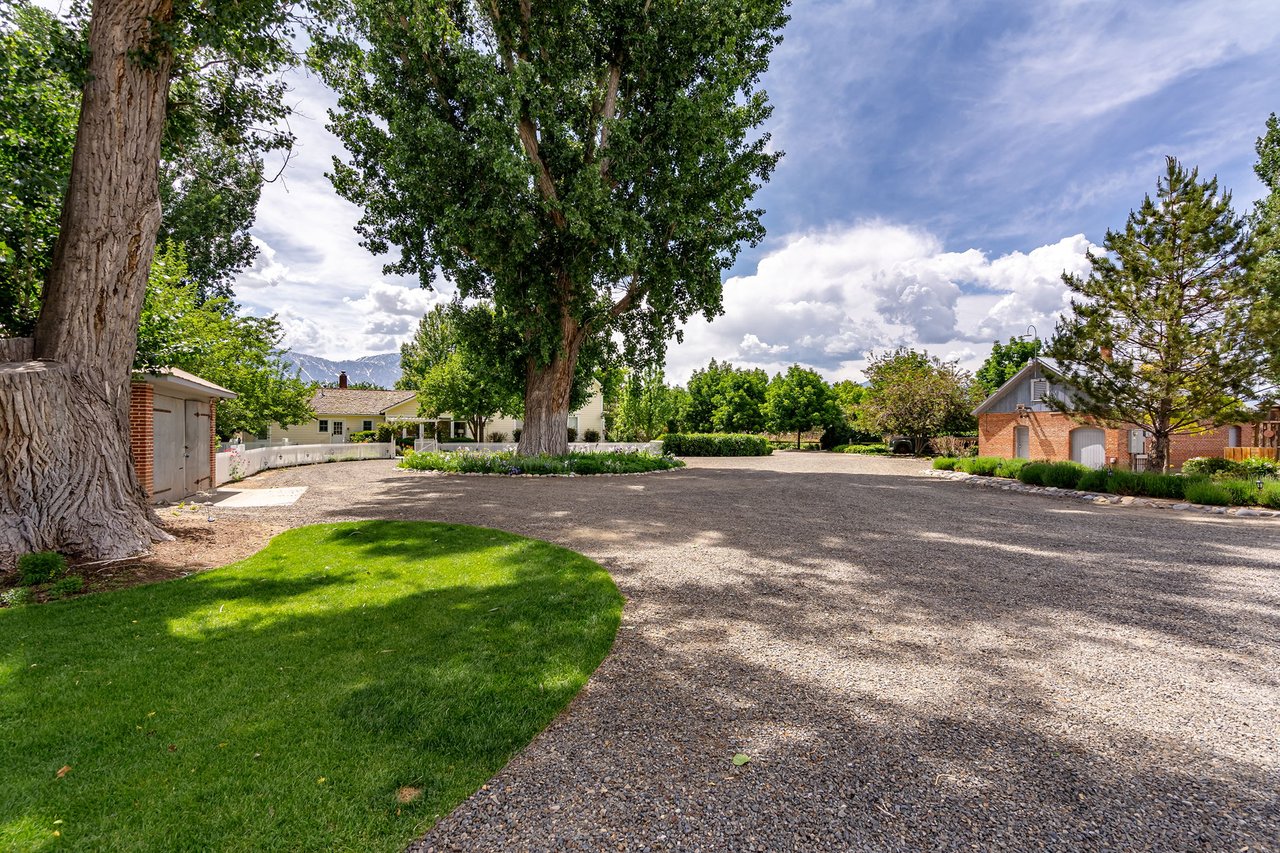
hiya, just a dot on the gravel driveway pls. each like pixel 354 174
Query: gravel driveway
pixel 911 664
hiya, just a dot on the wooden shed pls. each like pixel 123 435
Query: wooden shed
pixel 172 431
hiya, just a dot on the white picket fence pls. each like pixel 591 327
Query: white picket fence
pixel 236 464
pixel 653 447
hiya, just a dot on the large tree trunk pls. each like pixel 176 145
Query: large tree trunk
pixel 67 481
pixel 546 405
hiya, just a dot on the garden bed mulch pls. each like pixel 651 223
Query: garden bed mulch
pixel 1101 498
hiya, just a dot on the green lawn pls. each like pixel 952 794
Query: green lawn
pixel 291 701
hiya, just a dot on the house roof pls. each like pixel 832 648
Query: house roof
pixel 1027 369
pixel 180 380
pixel 354 401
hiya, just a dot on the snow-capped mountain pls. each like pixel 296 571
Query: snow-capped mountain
pixel 383 369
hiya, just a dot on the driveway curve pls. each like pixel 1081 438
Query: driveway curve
pixel 911 664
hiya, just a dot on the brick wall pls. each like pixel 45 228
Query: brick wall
pixel 213 442
pixel 1211 443
pixel 1049 434
pixel 142 433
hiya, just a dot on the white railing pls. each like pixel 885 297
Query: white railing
pixel 237 463
pixel 653 447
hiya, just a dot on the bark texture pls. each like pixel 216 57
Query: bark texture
pixel 67 482
pixel 546 406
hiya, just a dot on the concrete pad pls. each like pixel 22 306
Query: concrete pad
pixel 263 497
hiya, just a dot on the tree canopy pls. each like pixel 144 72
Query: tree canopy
pixel 1004 362
pixel 209 339
pixel 647 407
pixel 917 395
pixel 724 398
pixel 1165 332
pixel 800 400
pixel 586 165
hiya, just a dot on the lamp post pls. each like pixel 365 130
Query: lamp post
pixel 1033 336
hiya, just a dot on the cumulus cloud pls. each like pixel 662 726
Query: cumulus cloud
pixel 827 299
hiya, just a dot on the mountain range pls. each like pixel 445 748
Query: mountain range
pixel 382 369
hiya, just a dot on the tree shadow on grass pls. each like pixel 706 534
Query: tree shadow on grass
pixel 299 725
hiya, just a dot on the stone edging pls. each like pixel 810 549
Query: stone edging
pixel 1007 485
pixel 538 476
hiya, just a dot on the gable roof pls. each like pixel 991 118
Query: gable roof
pixel 180 380
pixel 1027 370
pixel 354 401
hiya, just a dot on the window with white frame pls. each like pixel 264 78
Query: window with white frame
pixel 324 426
pixel 368 425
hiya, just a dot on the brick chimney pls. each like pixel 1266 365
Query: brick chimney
pixel 342 379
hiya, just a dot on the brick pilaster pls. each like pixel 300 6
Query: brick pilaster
pixel 213 443
pixel 142 434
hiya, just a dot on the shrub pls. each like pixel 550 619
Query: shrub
pixel 954 445
pixel 983 466
pixel 1064 475
pixel 69 585
pixel 591 436
pixel 1210 465
pixel 865 449
pixel 41 567
pixel 363 436
pixel 1256 467
pixel 385 432
pixel 1033 473
pixel 1010 468
pixel 1207 492
pixel 573 433
pixel 497 436
pixel 1242 492
pixel 509 462
pixel 715 444
pixel 515 434
pixel 1096 480
pixel 15 597
pixel 460 439
pixel 944 463
pixel 1270 494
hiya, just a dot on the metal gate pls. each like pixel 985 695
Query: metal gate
pixel 1088 446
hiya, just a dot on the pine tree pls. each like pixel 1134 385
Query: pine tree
pixel 1164 331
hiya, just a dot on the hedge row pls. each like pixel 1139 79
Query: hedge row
pixel 715 444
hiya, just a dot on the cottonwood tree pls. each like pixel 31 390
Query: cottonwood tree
pixel 586 165
pixel 1165 332
pixel 66 479
pixel 724 398
pixel 918 395
pixel 1004 362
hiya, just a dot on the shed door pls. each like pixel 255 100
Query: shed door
pixel 196 449
pixel 1088 447
pixel 1022 442
pixel 169 460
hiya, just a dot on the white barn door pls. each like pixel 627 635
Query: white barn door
pixel 1022 442
pixel 1088 447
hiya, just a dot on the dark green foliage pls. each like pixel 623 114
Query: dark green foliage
pixel 41 567
pixel 511 463
pixel 1033 473
pixel 1148 484
pixel 715 444
pixel 515 434
pixel 1095 480
pixel 1211 465
pixel 1064 475
pixel 914 394
pixel 573 434
pixel 1256 467
pixel 591 436
pixel 1010 468
pixel 1003 363
pixel 800 400
pixel 726 399
pixel 1270 494
pixel 876 449
pixel 1242 492
pixel 61 588
pixel 362 436
pixel 983 466
pixel 945 463
pixel 496 436
pixel 1207 492
pixel 1171 329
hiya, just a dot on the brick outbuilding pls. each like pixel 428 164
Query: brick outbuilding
pixel 173 432
pixel 1016 422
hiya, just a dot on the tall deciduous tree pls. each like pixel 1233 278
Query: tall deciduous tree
pixel 587 165
pixel 724 398
pixel 57 489
pixel 646 407
pixel 799 400
pixel 914 394
pixel 1004 362
pixel 1164 331
pixel 469 382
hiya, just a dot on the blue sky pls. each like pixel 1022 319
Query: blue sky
pixel 945 162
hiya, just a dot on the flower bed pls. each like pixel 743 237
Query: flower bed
pixel 510 463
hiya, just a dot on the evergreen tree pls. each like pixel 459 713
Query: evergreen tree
pixel 1165 331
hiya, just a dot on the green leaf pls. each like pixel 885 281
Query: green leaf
pixel 740 759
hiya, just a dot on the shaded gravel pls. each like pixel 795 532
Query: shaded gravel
pixel 910 665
